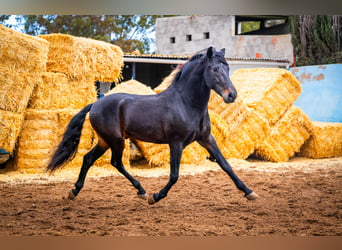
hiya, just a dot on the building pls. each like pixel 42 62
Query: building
pixel 266 44
pixel 187 35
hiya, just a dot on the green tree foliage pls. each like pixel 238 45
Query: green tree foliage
pixel 249 26
pixel 316 39
pixel 4 18
pixel 130 32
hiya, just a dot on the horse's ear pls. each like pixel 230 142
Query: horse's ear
pixel 223 51
pixel 210 52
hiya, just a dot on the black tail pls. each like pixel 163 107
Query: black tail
pixel 67 148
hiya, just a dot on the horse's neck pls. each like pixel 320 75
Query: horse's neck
pixel 194 92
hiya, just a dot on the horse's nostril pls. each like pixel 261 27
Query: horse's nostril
pixel 231 96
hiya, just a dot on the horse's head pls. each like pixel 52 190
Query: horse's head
pixel 216 75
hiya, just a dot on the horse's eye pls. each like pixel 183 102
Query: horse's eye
pixel 215 69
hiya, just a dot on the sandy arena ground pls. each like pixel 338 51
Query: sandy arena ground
pixel 299 197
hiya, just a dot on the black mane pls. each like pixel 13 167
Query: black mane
pixel 183 69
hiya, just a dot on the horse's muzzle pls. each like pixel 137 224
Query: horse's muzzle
pixel 229 96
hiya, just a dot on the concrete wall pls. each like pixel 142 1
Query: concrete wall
pixel 221 35
pixel 321 97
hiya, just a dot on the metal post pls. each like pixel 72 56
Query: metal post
pixel 133 70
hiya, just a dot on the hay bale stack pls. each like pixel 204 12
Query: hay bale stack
pixel 325 141
pixel 10 126
pixel 132 87
pixel 20 52
pixel 58 92
pixel 37 140
pixel 245 128
pixel 16 88
pixel 64 117
pixel 268 91
pixel 83 58
pixel 41 133
pixel 159 154
pixel 286 136
pixel 22 61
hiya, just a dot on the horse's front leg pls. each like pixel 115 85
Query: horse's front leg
pixel 175 156
pixel 211 146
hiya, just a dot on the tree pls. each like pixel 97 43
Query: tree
pixel 316 39
pixel 130 32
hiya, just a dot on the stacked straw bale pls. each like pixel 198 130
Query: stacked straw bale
pixel 286 136
pixel 22 52
pixel 58 92
pixel 22 61
pixel 325 141
pixel 10 126
pixel 37 140
pixel 245 128
pixel 42 131
pixel 72 64
pixel 83 58
pixel 87 136
pixel 270 92
pixel 132 87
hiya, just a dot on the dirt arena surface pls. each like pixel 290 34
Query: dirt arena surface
pixel 297 198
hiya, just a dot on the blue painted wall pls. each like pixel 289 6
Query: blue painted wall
pixel 321 97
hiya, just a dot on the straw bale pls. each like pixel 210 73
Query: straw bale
pixel 22 60
pixel 167 81
pixel 325 141
pixel 83 58
pixel 42 131
pixel 159 154
pixel 132 87
pixel 37 140
pixel 16 88
pixel 244 127
pixel 286 136
pixel 87 136
pixel 268 91
pixel 22 52
pixel 10 126
pixel 58 92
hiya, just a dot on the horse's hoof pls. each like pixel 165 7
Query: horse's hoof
pixel 71 195
pixel 252 196
pixel 143 196
pixel 150 199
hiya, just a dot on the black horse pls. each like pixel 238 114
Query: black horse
pixel 177 116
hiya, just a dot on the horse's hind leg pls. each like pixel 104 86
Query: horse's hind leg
pixel 88 161
pixel 116 161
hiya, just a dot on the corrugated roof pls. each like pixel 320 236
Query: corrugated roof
pixel 184 58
